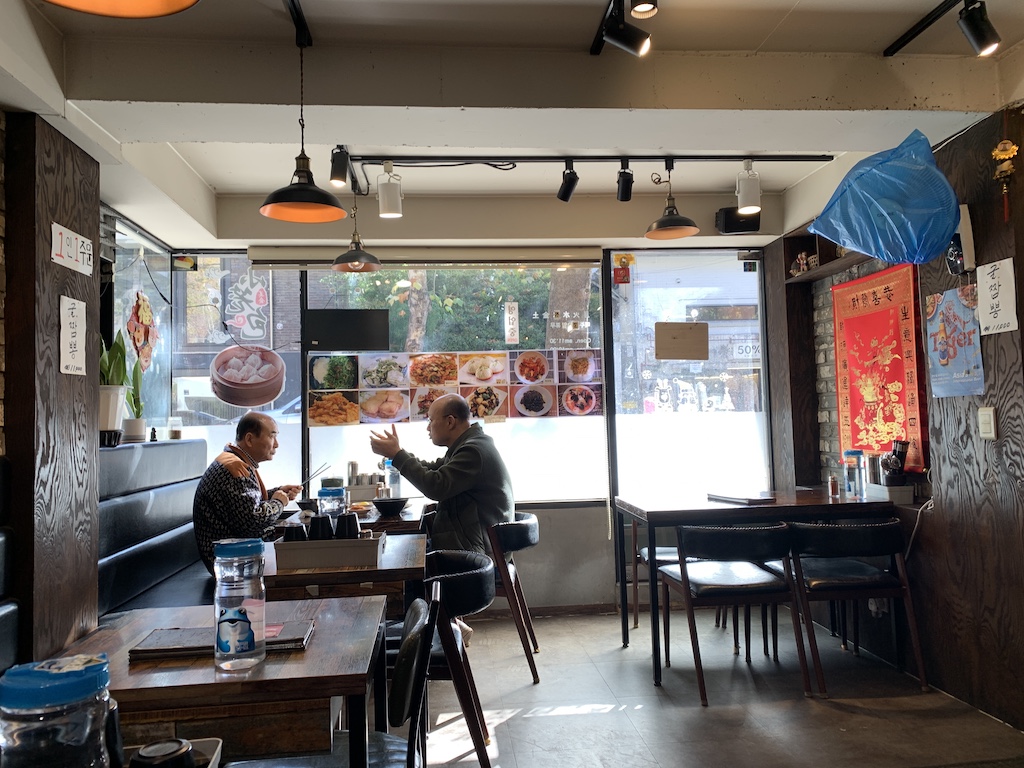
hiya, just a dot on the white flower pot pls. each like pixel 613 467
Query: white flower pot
pixel 134 430
pixel 111 407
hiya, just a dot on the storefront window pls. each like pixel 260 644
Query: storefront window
pixel 696 425
pixel 521 343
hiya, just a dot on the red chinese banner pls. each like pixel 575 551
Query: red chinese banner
pixel 877 379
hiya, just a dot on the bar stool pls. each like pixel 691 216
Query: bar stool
pixel 506 539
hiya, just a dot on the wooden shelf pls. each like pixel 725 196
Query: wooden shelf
pixel 840 264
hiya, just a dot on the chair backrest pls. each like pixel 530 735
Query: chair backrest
pixel 517 534
pixel 855 540
pixel 468 579
pixel 409 679
pixel 756 543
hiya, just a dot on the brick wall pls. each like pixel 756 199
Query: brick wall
pixel 825 361
pixel 3 273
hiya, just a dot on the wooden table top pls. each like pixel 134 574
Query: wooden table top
pixel 403 559
pixel 659 509
pixel 336 662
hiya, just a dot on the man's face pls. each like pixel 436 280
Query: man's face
pixel 439 427
pixel 262 447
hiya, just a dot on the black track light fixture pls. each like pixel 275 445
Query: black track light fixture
pixel 625 183
pixel 569 182
pixel 973 22
pixel 616 30
pixel 643 9
pixel 978 30
pixel 339 166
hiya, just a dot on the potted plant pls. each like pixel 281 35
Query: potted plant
pixel 113 389
pixel 135 427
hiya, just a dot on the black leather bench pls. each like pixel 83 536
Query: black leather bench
pixel 8 607
pixel 147 551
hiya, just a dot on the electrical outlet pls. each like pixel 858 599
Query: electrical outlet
pixel 987 423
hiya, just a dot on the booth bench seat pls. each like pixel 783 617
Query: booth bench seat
pixel 147 550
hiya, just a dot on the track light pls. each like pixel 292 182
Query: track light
pixel 339 167
pixel 643 9
pixel 302 201
pixel 748 190
pixel 671 224
pixel 616 30
pixel 127 9
pixel 389 192
pixel 977 28
pixel 625 184
pixel 355 259
pixel 569 182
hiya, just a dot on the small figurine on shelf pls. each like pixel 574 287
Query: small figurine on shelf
pixel 799 265
pixel 152 434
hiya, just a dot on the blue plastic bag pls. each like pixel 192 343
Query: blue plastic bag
pixel 896 206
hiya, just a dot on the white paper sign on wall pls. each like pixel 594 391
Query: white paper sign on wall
pixel 997 297
pixel 72 336
pixel 70 249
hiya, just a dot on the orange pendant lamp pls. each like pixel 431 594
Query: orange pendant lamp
pixel 302 201
pixel 127 9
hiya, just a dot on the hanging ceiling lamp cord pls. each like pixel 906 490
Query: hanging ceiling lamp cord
pixel 302 101
pixel 656 177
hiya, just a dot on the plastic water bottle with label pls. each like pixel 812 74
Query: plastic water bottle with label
pixel 239 603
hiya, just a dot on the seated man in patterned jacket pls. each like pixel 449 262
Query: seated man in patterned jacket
pixel 231 501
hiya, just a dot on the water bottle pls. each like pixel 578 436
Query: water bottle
pixel 238 602
pixel 331 501
pixel 393 478
pixel 856 474
pixel 54 713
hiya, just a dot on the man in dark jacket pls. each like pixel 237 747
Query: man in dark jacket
pixel 470 482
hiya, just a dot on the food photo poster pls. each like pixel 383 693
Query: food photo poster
pixel 392 387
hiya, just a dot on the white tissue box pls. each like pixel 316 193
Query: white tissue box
pixel 897 494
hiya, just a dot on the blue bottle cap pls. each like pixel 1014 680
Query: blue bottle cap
pixel 327 493
pixel 237 547
pixel 53 683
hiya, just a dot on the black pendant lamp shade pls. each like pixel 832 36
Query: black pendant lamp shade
pixel 355 259
pixel 127 9
pixel 302 201
pixel 672 224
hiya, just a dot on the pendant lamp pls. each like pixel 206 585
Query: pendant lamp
pixel 127 9
pixel 355 259
pixel 302 201
pixel 671 224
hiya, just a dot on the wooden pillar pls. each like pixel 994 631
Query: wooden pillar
pixel 51 417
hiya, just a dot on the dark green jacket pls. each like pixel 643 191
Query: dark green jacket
pixel 471 486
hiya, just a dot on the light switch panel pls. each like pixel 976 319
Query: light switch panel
pixel 987 423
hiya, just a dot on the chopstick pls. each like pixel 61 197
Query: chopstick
pixel 316 472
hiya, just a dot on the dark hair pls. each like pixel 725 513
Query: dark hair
pixel 456 406
pixel 250 424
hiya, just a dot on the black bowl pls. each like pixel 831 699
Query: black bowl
pixel 308 505
pixel 388 507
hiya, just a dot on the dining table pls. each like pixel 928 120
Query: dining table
pixel 656 509
pixel 402 560
pixel 287 704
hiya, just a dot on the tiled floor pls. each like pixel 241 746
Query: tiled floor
pixel 596 706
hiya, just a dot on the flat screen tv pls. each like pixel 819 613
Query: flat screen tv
pixel 345 330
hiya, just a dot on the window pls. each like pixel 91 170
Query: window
pixel 463 311
pixel 693 425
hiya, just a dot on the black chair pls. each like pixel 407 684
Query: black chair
pixel 406 704
pixel 826 567
pixel 468 588
pixel 506 539
pixel 642 556
pixel 720 569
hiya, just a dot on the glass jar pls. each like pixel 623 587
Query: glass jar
pixel 856 473
pixel 54 713
pixel 239 602
pixel 331 501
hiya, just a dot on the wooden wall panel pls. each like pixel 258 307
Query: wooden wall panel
pixel 968 563
pixel 52 436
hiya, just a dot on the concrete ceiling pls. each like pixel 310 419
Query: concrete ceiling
pixel 194 117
